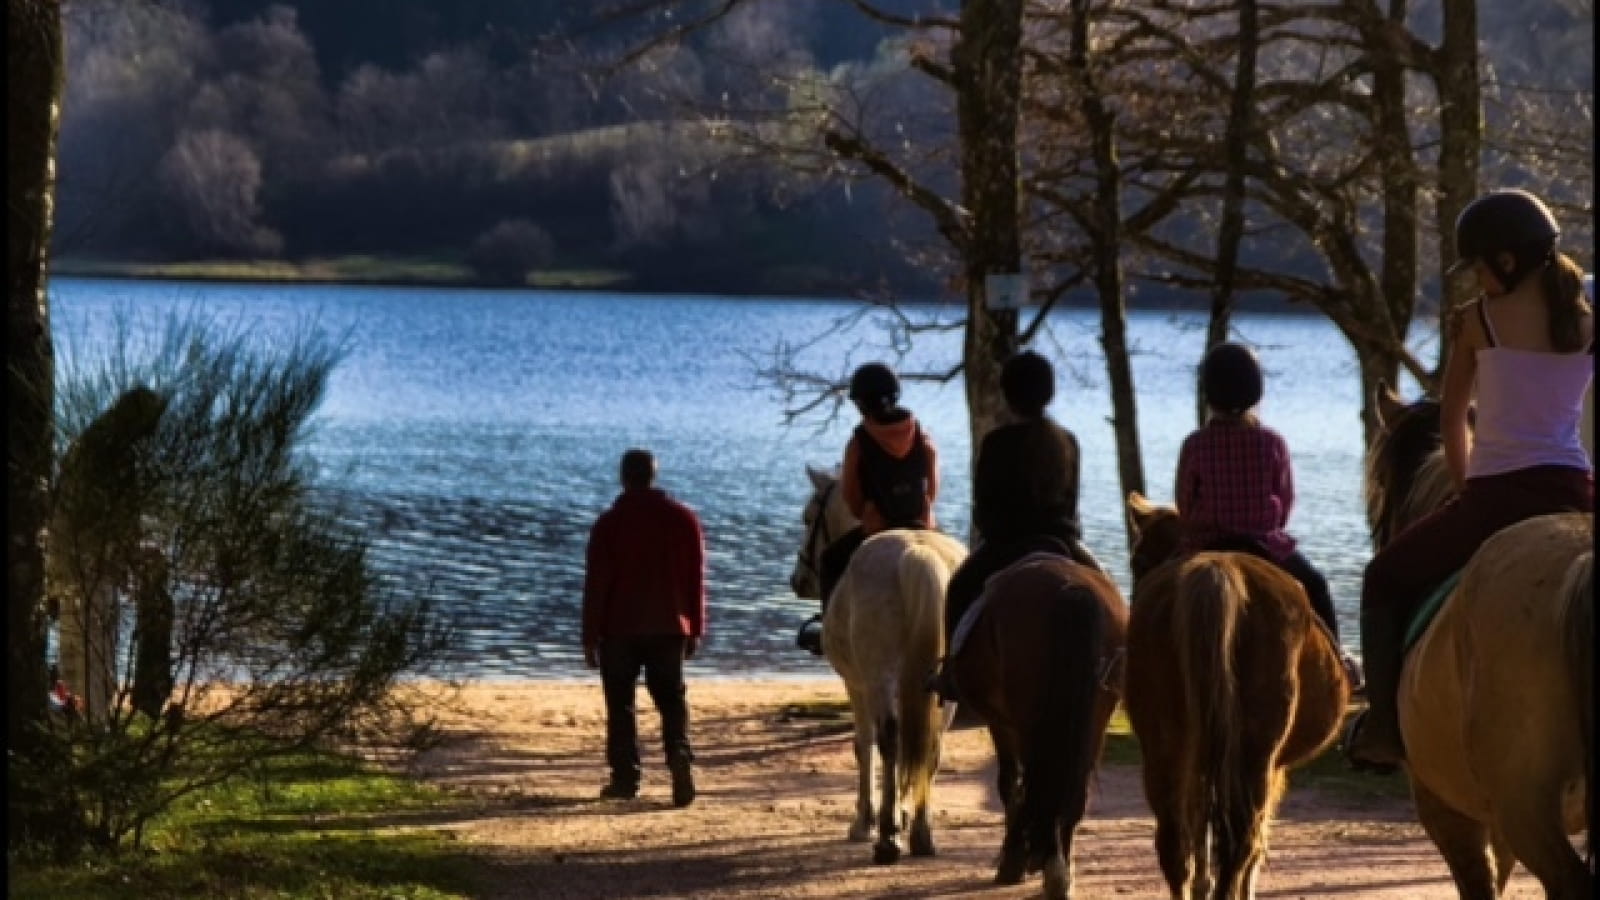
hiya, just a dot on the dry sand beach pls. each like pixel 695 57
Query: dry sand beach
pixel 776 796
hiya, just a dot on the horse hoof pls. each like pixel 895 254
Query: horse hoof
pixel 1057 881
pixel 859 835
pixel 1011 871
pixel 886 853
pixel 923 846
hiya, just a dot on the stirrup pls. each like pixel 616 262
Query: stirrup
pixel 1356 761
pixel 809 637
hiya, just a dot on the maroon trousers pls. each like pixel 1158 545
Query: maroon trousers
pixel 1420 558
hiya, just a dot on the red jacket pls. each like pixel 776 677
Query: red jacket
pixel 646 571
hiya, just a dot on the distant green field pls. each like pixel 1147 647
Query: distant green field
pixel 312 826
pixel 342 269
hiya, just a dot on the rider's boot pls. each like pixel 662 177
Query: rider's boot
pixel 1374 742
pixel 940 683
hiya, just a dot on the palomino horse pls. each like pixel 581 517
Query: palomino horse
pixel 1231 680
pixel 1496 697
pixel 1042 666
pixel 883 633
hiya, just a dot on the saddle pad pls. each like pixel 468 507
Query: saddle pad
pixel 1430 608
pixel 970 617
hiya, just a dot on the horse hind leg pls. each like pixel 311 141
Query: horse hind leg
pixel 1242 845
pixel 887 848
pixel 1462 841
pixel 1531 823
pixel 1013 864
pixel 865 729
pixel 1164 790
pixel 1043 793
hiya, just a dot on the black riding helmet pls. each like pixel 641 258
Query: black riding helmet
pixel 874 389
pixel 1028 383
pixel 1230 376
pixel 1508 221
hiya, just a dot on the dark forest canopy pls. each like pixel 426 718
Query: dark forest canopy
pixel 489 134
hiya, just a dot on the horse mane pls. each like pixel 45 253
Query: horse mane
pixel 1431 486
pixel 1394 463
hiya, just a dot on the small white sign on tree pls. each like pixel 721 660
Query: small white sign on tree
pixel 1005 290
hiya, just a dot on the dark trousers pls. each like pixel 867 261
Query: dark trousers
pixel 661 658
pixel 1300 569
pixel 1419 559
pixel 990 557
pixel 835 559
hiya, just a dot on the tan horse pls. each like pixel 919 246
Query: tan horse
pixel 883 633
pixel 1496 699
pixel 1042 666
pixel 1231 681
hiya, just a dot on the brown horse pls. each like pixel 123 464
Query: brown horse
pixel 1231 681
pixel 1496 698
pixel 1042 665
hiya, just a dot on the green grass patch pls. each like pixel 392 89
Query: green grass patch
pixel 1328 771
pixel 308 826
pixel 825 710
pixel 582 279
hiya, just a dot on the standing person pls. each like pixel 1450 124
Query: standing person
pixel 97 515
pixel 889 479
pixel 1025 491
pixel 1524 350
pixel 1235 482
pixel 644 606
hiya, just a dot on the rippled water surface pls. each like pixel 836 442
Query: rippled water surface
pixel 477 434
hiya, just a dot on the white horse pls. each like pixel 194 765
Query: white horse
pixel 883 633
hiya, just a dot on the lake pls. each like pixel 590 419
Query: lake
pixel 478 434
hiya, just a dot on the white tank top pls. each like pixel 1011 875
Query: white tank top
pixel 1529 407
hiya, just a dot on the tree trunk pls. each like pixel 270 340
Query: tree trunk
pixel 1241 116
pixel 34 72
pixel 1105 238
pixel 1397 172
pixel 1460 143
pixel 987 66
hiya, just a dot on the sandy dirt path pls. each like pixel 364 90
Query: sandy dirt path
pixel 776 797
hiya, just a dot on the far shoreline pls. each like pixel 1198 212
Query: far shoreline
pixel 603 282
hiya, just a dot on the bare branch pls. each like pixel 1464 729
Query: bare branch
pixel 948 218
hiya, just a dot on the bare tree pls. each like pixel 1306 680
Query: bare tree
pixel 215 179
pixel 34 73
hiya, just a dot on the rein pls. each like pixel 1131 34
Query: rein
pixel 819 527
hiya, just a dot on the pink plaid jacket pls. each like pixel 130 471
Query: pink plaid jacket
pixel 1235 480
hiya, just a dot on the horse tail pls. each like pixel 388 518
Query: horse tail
pixel 1205 619
pixel 1577 630
pixel 1061 757
pixel 923 576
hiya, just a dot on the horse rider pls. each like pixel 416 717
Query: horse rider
pixel 1025 493
pixel 1235 483
pixel 889 479
pixel 1523 349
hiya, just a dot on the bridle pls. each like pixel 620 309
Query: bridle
pixel 818 528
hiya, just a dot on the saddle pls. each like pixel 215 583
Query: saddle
pixel 1429 608
pixel 970 617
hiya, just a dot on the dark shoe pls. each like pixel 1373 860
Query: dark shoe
pixel 810 636
pixel 619 790
pixel 940 683
pixel 1368 750
pixel 682 782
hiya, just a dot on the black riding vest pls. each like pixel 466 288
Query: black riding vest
pixel 897 487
